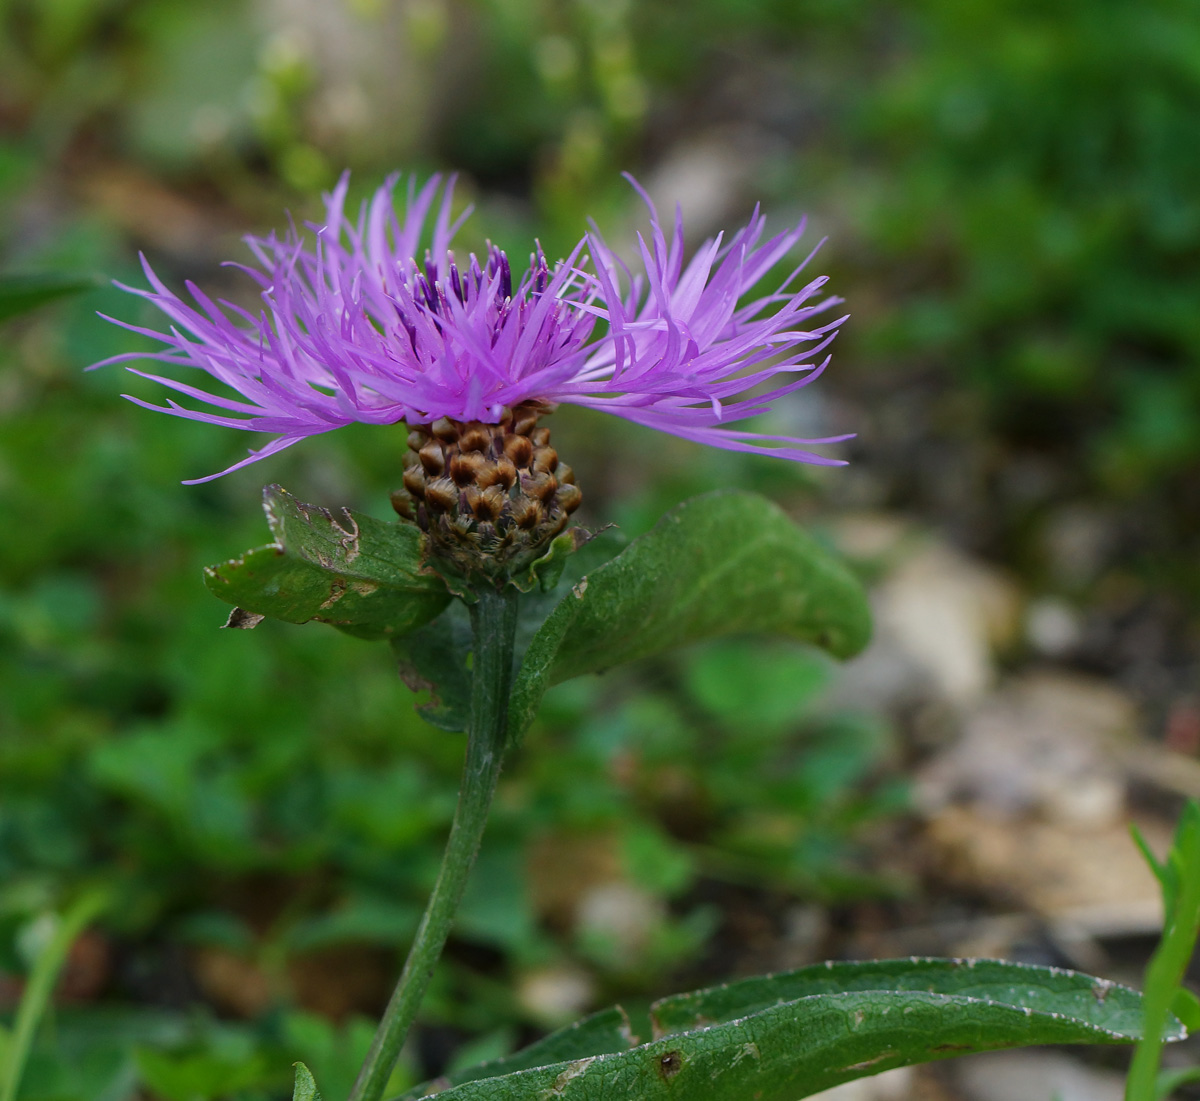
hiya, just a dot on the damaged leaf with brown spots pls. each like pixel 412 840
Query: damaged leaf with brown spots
pixel 362 575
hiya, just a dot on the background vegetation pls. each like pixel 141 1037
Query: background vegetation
pixel 1009 188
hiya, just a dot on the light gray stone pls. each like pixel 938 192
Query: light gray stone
pixel 1035 1076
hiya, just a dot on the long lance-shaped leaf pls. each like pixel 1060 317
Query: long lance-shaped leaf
pixel 723 563
pixel 601 1033
pixel 1105 1004
pixel 357 573
pixel 786 1037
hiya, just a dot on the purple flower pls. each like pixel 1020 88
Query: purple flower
pixel 355 327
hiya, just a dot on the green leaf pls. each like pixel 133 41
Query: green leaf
pixel 436 657
pixel 543 574
pixel 1148 856
pixel 1179 876
pixel 357 573
pixel 724 563
pixel 786 1037
pixel 600 1034
pixel 201 1074
pixel 306 1086
pixel 1098 1002
pixel 21 293
pixel 1186 1006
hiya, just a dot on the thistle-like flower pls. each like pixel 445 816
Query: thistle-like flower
pixel 359 326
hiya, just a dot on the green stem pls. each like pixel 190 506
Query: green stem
pixel 1170 960
pixel 40 987
pixel 493 627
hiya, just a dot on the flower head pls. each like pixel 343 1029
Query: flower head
pixel 359 325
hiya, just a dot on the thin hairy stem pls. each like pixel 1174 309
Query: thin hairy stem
pixel 493 624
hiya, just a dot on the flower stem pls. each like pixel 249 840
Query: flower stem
pixel 493 626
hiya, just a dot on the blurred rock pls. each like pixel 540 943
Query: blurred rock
pixel 1052 627
pixel 708 176
pixel 87 968
pixel 1028 808
pixel 1048 744
pixel 553 996
pixel 341 979
pixel 1093 879
pixel 1182 733
pixel 984 937
pixel 621 918
pixel 233 983
pixel 939 616
pixel 805 928
pixel 562 868
pixel 379 77
pixel 870 537
pixel 1161 768
pixel 1078 542
pixel 334 981
pixel 153 214
pixel 578 883
pixel 883 678
pixel 891 1085
pixel 1035 1076
pixel 1028 479
pixel 85 972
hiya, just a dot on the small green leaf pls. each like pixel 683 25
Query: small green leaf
pixel 201 1074
pixel 357 573
pixel 1179 875
pixel 724 563
pixel 544 573
pixel 306 1086
pixel 786 1037
pixel 1186 1006
pixel 1148 856
pixel 21 293
pixel 435 657
pixel 600 1034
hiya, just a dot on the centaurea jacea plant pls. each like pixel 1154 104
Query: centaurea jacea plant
pixel 359 324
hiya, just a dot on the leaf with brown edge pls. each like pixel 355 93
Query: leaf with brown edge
pixel 359 574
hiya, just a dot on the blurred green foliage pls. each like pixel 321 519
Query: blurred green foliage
pixel 1011 191
pixel 1040 159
